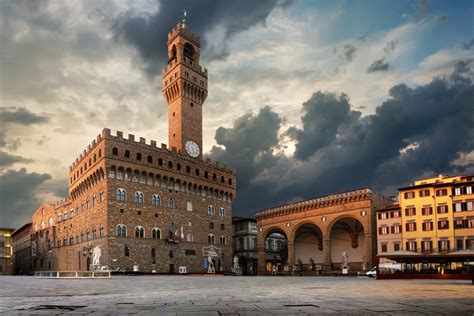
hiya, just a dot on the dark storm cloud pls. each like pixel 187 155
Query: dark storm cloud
pixel 467 45
pixel 7 159
pixel 378 65
pixel 20 116
pixel 349 52
pixel 17 196
pixel 324 115
pixel 149 32
pixel 416 132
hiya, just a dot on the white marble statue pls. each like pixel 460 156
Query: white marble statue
pixel 345 259
pixel 210 265
pixel 96 256
pixel 236 262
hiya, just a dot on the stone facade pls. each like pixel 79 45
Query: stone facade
pixel 148 207
pixel 320 230
pixel 21 259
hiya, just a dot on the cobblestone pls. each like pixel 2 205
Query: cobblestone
pixel 188 295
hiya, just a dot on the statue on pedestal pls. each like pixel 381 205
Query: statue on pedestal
pixel 345 263
pixel 210 265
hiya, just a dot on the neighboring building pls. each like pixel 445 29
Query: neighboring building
pixel 21 259
pixel 155 208
pixel 438 214
pixel 245 243
pixel 319 231
pixel 5 251
pixel 436 233
pixel 389 229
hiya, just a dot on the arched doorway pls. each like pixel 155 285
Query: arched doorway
pixel 276 251
pixel 308 244
pixel 88 263
pixel 347 237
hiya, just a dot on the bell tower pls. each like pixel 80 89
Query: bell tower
pixel 185 90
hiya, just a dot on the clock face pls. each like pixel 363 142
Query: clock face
pixel 192 148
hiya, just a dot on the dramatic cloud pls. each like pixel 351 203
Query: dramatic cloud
pixel 378 65
pixel 148 32
pixel 18 196
pixel 7 159
pixel 408 137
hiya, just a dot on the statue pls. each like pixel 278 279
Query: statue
pixel 344 259
pixel 236 262
pixel 96 256
pixel 345 264
pixel 210 265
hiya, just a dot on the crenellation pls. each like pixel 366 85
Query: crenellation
pixel 163 146
pixel 153 143
pixel 119 134
pixel 131 137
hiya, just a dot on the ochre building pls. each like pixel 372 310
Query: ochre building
pixel 149 207
pixel 321 231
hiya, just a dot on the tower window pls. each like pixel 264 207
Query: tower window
pixel 150 159
pixel 170 163
pixel 114 152
pixel 139 156
pixel 192 104
pixel 188 51
pixel 127 153
pixel 188 169
pixel 197 172
pixel 160 162
pixel 178 166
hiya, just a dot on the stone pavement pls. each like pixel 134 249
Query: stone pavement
pixel 193 295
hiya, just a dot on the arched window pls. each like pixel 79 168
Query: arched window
pixel 222 240
pixel 93 200
pixel 94 233
pixel 160 162
pixel 170 164
pixel 82 237
pixel 156 233
pixel 126 251
pixel 170 203
pixel 50 222
pixel 121 194
pixel 101 231
pixel 127 153
pixel 101 196
pixel 153 252
pixel 210 239
pixel 139 156
pixel 65 215
pixel 197 172
pixel 59 217
pixel 121 230
pixel 112 172
pixel 222 227
pixel 210 210
pixel 189 206
pixel 156 200
pixel 178 166
pixel 42 224
pixel 139 232
pixel 221 212
pixel 88 235
pixel 139 197
pixel 115 151
pixel 149 159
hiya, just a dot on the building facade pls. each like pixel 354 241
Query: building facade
pixel 389 229
pixel 5 251
pixel 321 231
pixel 21 258
pixel 149 208
pixel 438 214
pixel 245 243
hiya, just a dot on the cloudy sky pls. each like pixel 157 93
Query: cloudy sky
pixel 305 97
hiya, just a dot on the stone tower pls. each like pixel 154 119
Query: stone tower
pixel 184 89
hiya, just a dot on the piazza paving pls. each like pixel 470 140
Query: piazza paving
pixel 204 295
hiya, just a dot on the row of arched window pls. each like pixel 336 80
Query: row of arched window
pixel 211 239
pixel 84 236
pixel 121 231
pixel 85 205
pixel 211 212
pixel 139 198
